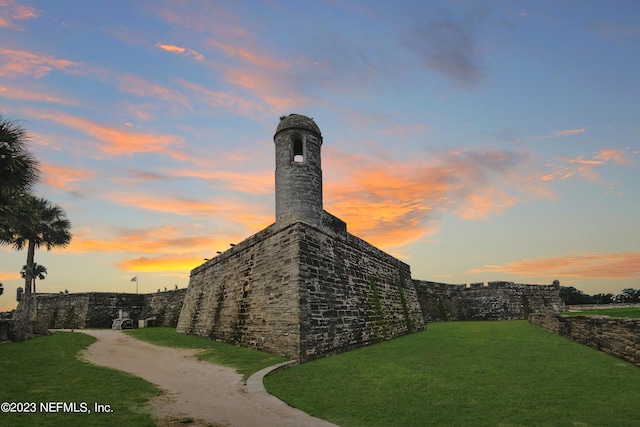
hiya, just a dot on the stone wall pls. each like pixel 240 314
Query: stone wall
pixel 496 301
pixel 351 293
pixel 248 295
pixel 163 307
pixel 7 330
pixel 98 309
pixel 619 337
pixel 303 292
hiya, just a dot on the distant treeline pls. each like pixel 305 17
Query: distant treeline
pixel 573 296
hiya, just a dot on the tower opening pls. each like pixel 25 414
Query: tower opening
pixel 298 156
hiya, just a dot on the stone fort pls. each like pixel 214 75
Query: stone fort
pixel 304 287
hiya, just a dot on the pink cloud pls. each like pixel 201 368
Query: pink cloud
pixel 141 87
pixel 586 265
pixel 615 155
pixel 25 95
pixel 11 11
pixel 224 100
pixel 116 142
pixel 18 62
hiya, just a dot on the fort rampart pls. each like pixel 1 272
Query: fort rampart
pixel 301 291
pixel 98 309
pixel 619 337
pixel 495 301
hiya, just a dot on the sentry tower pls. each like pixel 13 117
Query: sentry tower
pixel 298 171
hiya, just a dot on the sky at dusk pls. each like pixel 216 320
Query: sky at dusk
pixel 474 140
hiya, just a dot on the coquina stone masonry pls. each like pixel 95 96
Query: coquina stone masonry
pixel 98 309
pixel 495 301
pixel 304 287
pixel 619 337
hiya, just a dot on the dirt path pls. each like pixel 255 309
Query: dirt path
pixel 211 395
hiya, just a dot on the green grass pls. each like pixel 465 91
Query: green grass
pixel 633 312
pixel 246 361
pixel 467 373
pixel 47 369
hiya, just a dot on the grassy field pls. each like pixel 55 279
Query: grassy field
pixel 452 374
pixel 245 360
pixel 463 374
pixel 47 369
pixel 633 312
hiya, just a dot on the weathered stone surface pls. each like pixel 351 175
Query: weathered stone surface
pixel 303 292
pixel 619 337
pixel 496 301
pixel 98 309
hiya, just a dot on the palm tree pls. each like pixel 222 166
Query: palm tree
pixel 38 273
pixel 37 223
pixel 18 168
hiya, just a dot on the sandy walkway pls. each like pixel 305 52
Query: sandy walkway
pixel 210 394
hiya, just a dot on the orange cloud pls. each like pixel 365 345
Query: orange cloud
pixel 251 218
pixel 16 93
pixel 18 62
pixel 394 204
pixel 485 202
pixel 587 265
pixel 161 263
pixel 616 155
pixel 117 142
pixel 11 11
pixel 181 50
pixel 8 275
pixel 62 177
pixel 161 249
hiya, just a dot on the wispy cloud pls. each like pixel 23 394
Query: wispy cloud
pixel 30 95
pixel 19 62
pixel 583 265
pixel 586 166
pixel 11 11
pixel 63 177
pixel 144 89
pixel 224 100
pixel 117 142
pixel 568 132
pixel 249 218
pixel 185 51
pixel 161 249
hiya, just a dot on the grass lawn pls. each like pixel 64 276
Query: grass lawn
pixel 633 312
pixel 506 373
pixel 47 369
pixel 246 361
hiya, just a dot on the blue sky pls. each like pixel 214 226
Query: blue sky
pixel 474 140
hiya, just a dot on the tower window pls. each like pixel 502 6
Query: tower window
pixel 298 155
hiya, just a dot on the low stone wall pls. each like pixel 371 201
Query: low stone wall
pixel 582 307
pixel 495 301
pixel 7 332
pixel 617 336
pixel 98 309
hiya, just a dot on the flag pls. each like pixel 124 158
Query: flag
pixel 134 279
